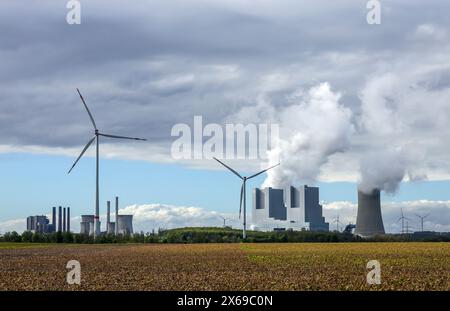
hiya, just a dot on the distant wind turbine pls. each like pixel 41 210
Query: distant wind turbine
pixel 96 137
pixel 421 219
pixel 243 190
pixel 224 220
pixel 403 220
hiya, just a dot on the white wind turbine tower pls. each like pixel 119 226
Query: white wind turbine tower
pixel 96 137
pixel 224 220
pixel 243 190
pixel 421 220
pixel 403 220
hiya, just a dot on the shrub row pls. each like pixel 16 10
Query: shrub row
pixel 208 235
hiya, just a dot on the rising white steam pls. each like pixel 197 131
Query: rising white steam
pixel 393 106
pixel 383 170
pixel 314 127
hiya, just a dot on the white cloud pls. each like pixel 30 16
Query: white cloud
pixel 13 225
pixel 153 216
pixel 430 31
pixel 147 217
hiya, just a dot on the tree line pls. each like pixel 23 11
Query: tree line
pixel 207 235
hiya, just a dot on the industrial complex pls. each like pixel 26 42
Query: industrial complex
pixel 42 224
pixel 291 208
pixel 123 224
pixel 273 209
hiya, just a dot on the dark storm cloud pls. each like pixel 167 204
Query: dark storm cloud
pixel 144 66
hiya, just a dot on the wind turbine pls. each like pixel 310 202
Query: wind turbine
pixel 224 220
pixel 403 220
pixel 96 137
pixel 243 190
pixel 421 219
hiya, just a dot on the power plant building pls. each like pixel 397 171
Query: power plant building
pixel 39 224
pixel 291 208
pixel 42 224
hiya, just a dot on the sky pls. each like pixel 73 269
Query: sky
pixel 358 105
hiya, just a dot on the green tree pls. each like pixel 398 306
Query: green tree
pixel 27 236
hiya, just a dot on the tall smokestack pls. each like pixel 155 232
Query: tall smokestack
pixel 369 221
pixel 68 219
pixel 108 211
pixel 117 216
pixel 59 219
pixel 54 218
pixel 64 219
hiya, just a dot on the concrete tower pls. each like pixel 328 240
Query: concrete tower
pixel 108 211
pixel 369 221
pixel 68 219
pixel 116 231
pixel 54 218
pixel 64 219
pixel 59 218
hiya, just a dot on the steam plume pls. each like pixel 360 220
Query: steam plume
pixel 311 130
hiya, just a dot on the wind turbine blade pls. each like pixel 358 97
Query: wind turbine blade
pixel 263 171
pixel 237 174
pixel 87 109
pixel 81 154
pixel 121 137
pixel 240 204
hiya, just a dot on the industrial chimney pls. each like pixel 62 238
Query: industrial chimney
pixel 68 219
pixel 59 218
pixel 369 221
pixel 108 211
pixel 54 218
pixel 117 216
pixel 64 219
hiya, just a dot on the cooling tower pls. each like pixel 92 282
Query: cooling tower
pixel 125 224
pixel 87 218
pixel 87 224
pixel 91 228
pixel 84 227
pixel 369 221
pixel 111 228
